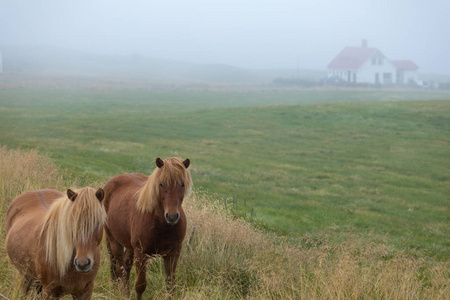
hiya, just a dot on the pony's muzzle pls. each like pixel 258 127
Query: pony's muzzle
pixel 172 219
pixel 83 265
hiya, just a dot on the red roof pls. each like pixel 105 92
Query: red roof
pixel 404 64
pixel 351 58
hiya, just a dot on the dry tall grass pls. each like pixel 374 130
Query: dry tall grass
pixel 226 258
pixel 20 171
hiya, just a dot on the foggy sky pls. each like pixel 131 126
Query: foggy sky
pixel 242 33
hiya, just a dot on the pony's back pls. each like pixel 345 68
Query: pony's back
pixel 123 187
pixel 23 224
pixel 31 202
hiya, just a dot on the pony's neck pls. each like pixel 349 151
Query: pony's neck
pixel 148 195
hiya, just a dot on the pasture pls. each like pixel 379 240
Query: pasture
pixel 364 173
pixel 226 258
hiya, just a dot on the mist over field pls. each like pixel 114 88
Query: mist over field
pixel 310 182
pixel 231 37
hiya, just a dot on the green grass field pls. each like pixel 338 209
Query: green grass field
pixel 309 163
pixel 227 258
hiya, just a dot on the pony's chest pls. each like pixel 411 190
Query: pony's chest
pixel 164 240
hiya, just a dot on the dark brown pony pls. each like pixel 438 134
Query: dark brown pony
pixel 145 218
pixel 53 239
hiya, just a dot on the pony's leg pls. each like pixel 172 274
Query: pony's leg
pixel 86 293
pixel 26 283
pixel 170 266
pixel 128 264
pixel 38 288
pixel 117 251
pixel 141 283
pixel 112 260
pixel 51 293
pixel 125 272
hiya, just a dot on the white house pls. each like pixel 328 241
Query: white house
pixel 367 65
pixel 406 71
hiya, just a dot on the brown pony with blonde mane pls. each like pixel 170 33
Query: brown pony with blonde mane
pixel 53 239
pixel 146 218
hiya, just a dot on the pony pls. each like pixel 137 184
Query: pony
pixel 146 219
pixel 53 239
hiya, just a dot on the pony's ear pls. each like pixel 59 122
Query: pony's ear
pixel 159 162
pixel 186 163
pixel 71 194
pixel 100 194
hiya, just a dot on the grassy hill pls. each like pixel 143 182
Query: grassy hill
pixel 53 60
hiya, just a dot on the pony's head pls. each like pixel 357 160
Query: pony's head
pixel 73 228
pixel 167 186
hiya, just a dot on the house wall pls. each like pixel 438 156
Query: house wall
pixel 377 64
pixel 410 75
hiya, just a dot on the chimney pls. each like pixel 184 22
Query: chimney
pixel 364 43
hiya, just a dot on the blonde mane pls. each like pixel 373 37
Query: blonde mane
pixel 172 173
pixel 68 222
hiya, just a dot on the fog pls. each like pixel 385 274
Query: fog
pixel 255 34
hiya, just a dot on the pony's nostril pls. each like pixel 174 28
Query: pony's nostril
pixel 172 218
pixel 87 263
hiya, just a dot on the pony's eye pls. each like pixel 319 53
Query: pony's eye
pixel 182 185
pixel 161 185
